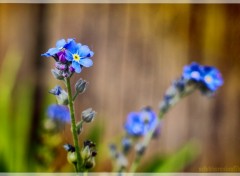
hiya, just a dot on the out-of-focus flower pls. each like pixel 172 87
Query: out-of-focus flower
pixel 126 144
pixel 206 76
pixel 60 44
pixel 88 154
pixel 79 55
pixel 59 113
pixel 193 72
pixel 140 123
pixel 212 78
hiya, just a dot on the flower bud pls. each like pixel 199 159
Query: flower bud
pixel 57 74
pixel 126 145
pixel 61 66
pixel 88 115
pixel 86 152
pixel 140 148
pixel 56 90
pixel 72 157
pixel 122 161
pixel 81 85
pixel 90 163
pixel 62 98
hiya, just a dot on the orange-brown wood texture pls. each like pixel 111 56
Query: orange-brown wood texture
pixel 139 50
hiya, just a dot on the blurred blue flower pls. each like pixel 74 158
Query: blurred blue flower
pixel 79 55
pixel 59 113
pixel 208 77
pixel 140 123
pixel 60 44
pixel 212 78
pixel 193 72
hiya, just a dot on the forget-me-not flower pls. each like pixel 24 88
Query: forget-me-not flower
pixel 206 76
pixel 79 55
pixel 140 123
pixel 59 113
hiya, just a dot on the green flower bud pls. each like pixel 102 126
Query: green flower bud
pixel 86 153
pixel 72 157
pixel 90 163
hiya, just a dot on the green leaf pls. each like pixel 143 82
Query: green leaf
pixel 179 160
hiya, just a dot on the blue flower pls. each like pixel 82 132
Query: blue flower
pixel 59 113
pixel 193 72
pixel 79 55
pixel 212 78
pixel 140 123
pixel 206 76
pixel 60 45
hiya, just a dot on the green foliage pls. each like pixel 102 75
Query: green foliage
pixel 15 108
pixel 175 162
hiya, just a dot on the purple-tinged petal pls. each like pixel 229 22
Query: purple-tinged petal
pixel 86 62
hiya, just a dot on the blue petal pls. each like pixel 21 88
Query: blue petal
pixel 84 51
pixel 51 52
pixel 72 47
pixel 76 67
pixel 91 54
pixel 60 43
pixel 86 62
pixel 70 39
pixel 68 55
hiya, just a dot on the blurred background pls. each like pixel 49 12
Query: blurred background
pixel 139 50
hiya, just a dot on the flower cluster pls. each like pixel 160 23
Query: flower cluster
pixel 195 76
pixel 208 77
pixel 137 126
pixel 70 57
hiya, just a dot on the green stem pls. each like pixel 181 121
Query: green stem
pixel 75 96
pixel 146 142
pixel 73 121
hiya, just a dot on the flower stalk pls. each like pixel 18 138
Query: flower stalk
pixel 73 123
pixel 162 112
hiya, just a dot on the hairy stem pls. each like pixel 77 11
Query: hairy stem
pixel 74 130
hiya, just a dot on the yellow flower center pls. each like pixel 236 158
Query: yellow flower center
pixel 208 79
pixel 76 57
